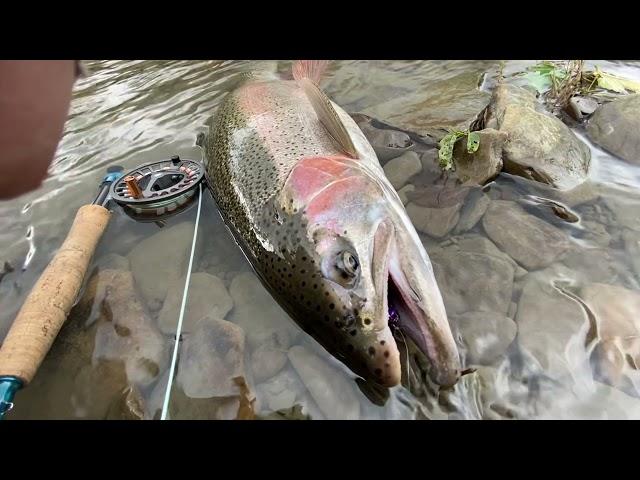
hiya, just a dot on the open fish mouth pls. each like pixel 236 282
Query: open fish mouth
pixel 431 334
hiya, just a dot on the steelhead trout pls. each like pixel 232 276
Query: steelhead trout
pixel 302 190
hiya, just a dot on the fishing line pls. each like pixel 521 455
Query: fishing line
pixel 167 394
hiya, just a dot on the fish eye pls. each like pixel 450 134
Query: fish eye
pixel 348 263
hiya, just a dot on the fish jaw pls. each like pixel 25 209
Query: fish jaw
pixel 414 294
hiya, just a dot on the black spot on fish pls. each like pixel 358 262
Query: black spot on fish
pixel 372 351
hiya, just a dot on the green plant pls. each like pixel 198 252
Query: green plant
pixel 448 142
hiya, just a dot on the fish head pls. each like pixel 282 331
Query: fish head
pixel 358 254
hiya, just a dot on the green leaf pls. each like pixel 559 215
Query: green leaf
pixel 445 154
pixel 473 142
pixel 540 82
pixel 617 84
pixel 610 82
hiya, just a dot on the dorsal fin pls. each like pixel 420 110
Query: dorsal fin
pixel 328 117
pixel 312 69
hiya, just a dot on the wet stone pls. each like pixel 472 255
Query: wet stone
pixel 486 335
pixel 552 326
pixel 267 360
pixel 258 314
pixel 615 126
pixel 539 145
pixel 211 357
pixel 483 165
pixel 529 240
pixel 474 208
pixel 207 295
pixel 331 390
pixel 617 316
pixel 472 280
pixel 400 170
pixel 160 260
pixel 435 222
pixel 125 332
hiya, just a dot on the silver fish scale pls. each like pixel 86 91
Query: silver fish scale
pixel 251 154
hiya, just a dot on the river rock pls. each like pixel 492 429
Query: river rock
pixel 486 335
pixel 266 361
pixel 212 356
pixel 529 240
pixel 617 315
pixel 387 143
pixel 207 296
pixel 552 326
pixel 474 208
pixel 472 281
pixel 435 222
pixel 258 314
pixel 331 390
pixel 596 402
pixel 158 261
pixel 112 261
pixel 624 206
pixel 615 127
pixel 281 391
pixel 601 265
pixel 483 165
pixel 125 332
pixel 400 170
pixel 429 106
pixel 631 241
pixel 404 191
pixel 539 145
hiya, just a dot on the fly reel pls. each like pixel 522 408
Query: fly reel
pixel 157 190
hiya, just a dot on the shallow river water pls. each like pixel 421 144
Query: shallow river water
pixel 529 335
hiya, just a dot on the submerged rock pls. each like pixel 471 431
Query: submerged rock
pixel 207 296
pixel 331 390
pixel 617 316
pixel 267 360
pixel 474 208
pixel 400 170
pixel 435 222
pixel 483 165
pixel 452 101
pixel 112 261
pixel 125 332
pixel 615 126
pixel 212 357
pixel 471 280
pixel 486 335
pixel 529 240
pixel 631 241
pixel 595 402
pixel 539 145
pixel 387 143
pixel 553 326
pixel 258 314
pixel 280 392
pixel 404 191
pixel 158 261
pixel 602 265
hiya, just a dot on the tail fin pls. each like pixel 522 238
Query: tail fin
pixel 311 69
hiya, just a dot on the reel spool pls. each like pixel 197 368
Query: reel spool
pixel 157 190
